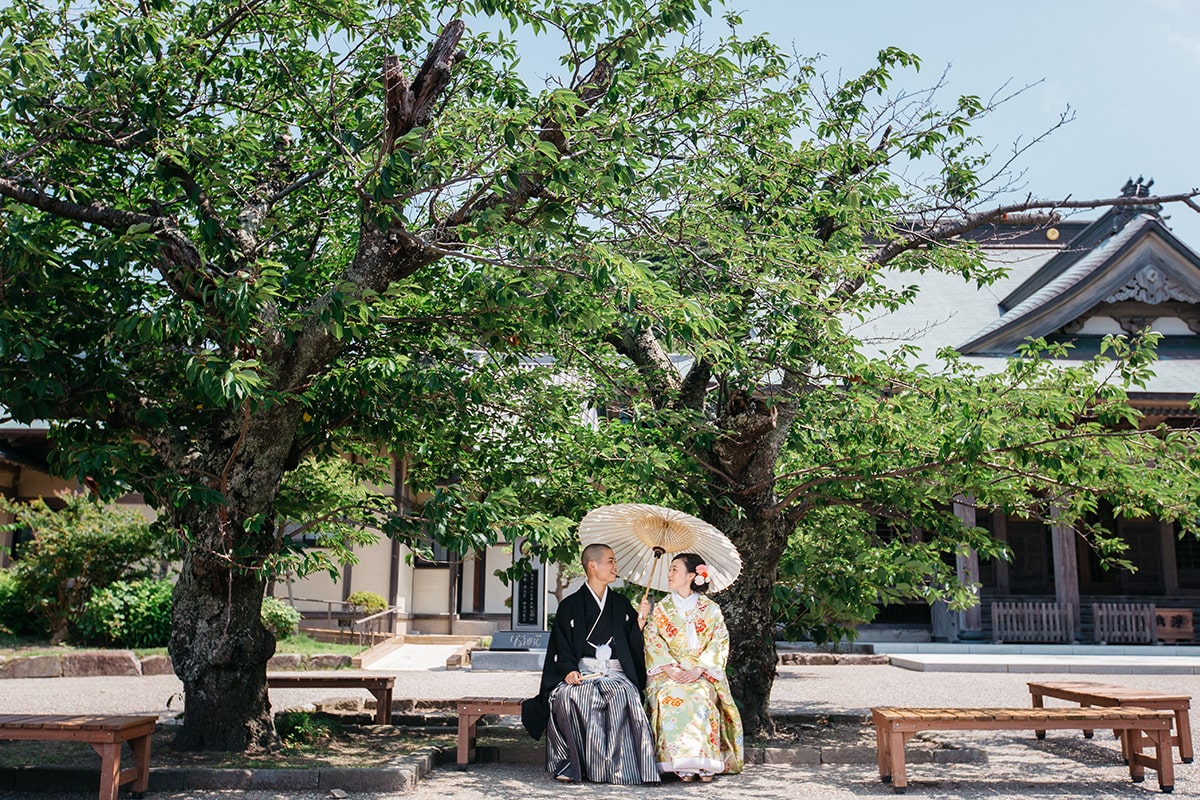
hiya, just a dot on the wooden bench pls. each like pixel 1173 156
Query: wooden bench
pixel 1124 623
pixel 1033 622
pixel 104 734
pixel 895 726
pixel 378 685
pixel 470 711
pixel 1088 693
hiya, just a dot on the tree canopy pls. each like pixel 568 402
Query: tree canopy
pixel 238 240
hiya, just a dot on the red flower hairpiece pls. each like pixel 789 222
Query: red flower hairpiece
pixel 701 574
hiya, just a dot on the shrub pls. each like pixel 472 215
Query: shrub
pixel 128 614
pixel 299 728
pixel 367 602
pixel 82 547
pixel 280 618
pixel 15 618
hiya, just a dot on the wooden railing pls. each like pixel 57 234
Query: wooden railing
pixel 1124 623
pixel 1033 622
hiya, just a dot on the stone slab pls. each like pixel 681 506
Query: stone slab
pixel 520 640
pixel 302 779
pixel 327 661
pixel 167 779
pixel 157 665
pixel 367 780
pixel 211 778
pixel 849 755
pixel 285 662
pixel 107 662
pixel 32 667
pixel 510 661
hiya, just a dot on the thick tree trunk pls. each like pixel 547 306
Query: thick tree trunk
pixel 748 455
pixel 219 646
pixel 747 609
pixel 220 649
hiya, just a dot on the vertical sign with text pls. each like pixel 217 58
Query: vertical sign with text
pixel 529 597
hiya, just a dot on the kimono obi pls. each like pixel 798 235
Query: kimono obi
pixel 600 666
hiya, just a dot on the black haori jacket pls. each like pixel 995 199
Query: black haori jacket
pixel 568 644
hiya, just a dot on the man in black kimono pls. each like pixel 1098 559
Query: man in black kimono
pixel 590 704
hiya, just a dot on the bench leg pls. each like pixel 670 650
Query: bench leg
pixel 1038 702
pixel 896 761
pixel 1183 730
pixel 110 769
pixel 883 752
pixel 467 727
pixel 141 763
pixel 1086 734
pixel 1165 758
pixel 383 706
pixel 1131 743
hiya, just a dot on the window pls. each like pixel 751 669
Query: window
pixel 305 538
pixel 1187 558
pixel 440 555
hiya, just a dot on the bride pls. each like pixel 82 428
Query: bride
pixel 697 728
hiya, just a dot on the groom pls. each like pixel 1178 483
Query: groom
pixel 590 704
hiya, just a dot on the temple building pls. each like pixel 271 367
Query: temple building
pixel 1070 282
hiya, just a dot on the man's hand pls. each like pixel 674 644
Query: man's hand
pixel 643 612
pixel 573 678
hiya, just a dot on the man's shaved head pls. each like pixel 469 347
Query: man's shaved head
pixel 593 552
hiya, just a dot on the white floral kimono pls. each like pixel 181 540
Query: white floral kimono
pixel 697 727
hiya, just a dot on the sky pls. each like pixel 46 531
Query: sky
pixel 1129 69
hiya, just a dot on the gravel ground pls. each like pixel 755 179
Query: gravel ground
pixel 1063 766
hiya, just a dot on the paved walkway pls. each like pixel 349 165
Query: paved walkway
pixel 416 657
pixel 1089 664
pixel 1063 766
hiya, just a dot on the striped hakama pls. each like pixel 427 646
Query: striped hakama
pixel 598 731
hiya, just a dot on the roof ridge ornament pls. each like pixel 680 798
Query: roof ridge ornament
pixel 1139 188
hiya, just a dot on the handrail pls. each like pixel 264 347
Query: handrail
pixel 368 625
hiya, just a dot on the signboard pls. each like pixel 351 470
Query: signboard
pixel 520 640
pixel 529 599
pixel 1174 624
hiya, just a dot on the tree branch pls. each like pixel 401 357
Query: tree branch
pixel 952 228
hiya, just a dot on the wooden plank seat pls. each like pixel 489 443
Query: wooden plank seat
pixel 470 711
pixel 1089 693
pixel 895 726
pixel 378 685
pixel 104 734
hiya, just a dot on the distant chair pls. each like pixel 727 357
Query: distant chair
pixel 1019 621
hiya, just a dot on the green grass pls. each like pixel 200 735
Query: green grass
pixel 302 644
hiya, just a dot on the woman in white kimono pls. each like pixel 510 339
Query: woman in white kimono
pixel 697 727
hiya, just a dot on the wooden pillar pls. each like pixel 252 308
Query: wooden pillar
pixel 1170 567
pixel 403 500
pixel 455 581
pixel 1066 571
pixel 1000 534
pixel 967 565
pixel 10 480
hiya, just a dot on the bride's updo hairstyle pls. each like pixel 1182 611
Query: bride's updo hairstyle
pixel 695 564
